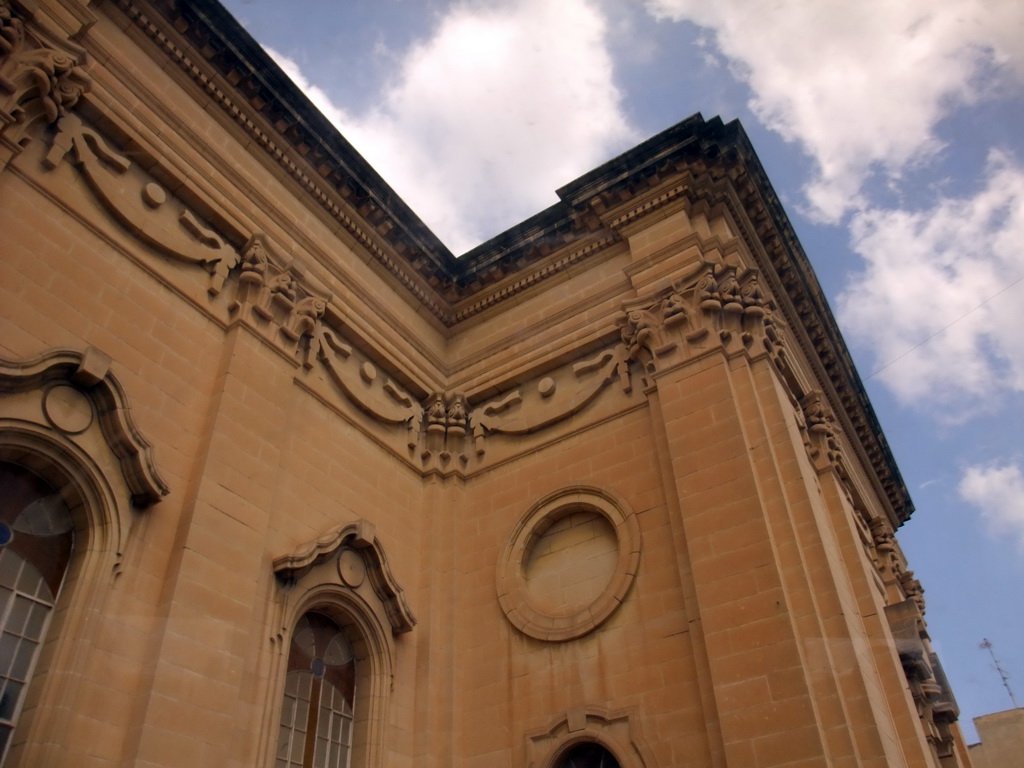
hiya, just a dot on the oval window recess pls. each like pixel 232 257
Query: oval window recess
pixel 568 564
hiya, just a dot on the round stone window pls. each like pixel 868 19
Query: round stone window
pixel 568 564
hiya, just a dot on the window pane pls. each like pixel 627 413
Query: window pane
pixel 23 660
pixel 37 614
pixel 16 618
pixel 32 567
pixel 319 689
pixel 8 647
pixel 9 699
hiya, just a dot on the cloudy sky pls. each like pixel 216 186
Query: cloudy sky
pixel 894 133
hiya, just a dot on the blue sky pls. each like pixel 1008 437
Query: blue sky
pixel 893 134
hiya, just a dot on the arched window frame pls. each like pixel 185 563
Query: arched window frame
pixel 618 732
pixel 371 612
pixel 102 470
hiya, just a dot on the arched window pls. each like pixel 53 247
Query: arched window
pixel 588 755
pixel 318 712
pixel 36 538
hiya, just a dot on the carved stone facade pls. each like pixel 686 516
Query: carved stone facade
pixel 607 485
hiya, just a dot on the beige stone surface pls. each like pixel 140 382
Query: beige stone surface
pixel 1002 739
pixel 309 407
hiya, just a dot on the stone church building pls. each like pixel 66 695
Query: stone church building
pixel 284 484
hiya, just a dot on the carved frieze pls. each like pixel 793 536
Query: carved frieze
pixel 141 205
pixel 551 400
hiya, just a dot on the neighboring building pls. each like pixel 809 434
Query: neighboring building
pixel 1002 740
pixel 606 491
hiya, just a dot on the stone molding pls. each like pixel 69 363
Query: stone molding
pixel 513 595
pixel 617 731
pixel 359 537
pixel 89 374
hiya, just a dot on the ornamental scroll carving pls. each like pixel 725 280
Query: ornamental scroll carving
pixel 527 410
pixel 361 564
pixel 100 400
pixel 41 76
pixel 715 305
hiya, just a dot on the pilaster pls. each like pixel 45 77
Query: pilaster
pixel 764 703
pixel 194 701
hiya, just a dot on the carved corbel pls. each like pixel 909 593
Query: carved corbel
pixel 254 273
pixel 884 546
pixel 41 76
pixel 447 424
pixel 143 207
pixel 823 442
pixel 643 334
pixel 912 589
pixel 303 318
pixel 774 342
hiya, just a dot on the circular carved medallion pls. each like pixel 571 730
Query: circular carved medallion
pixel 568 564
pixel 351 568
pixel 67 409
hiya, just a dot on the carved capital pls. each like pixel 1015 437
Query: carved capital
pixel 716 305
pixel 41 76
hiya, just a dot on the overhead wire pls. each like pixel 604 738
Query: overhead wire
pixel 944 328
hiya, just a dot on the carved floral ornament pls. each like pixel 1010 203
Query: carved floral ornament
pixel 41 76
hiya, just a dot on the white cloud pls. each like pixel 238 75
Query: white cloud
pixel 928 270
pixel 860 84
pixel 503 105
pixel 998 492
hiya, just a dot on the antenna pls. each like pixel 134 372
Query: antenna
pixel 1002 672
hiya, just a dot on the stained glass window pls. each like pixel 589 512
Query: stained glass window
pixel 36 536
pixel 317 713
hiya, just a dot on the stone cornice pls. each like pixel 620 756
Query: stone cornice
pixel 696 160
